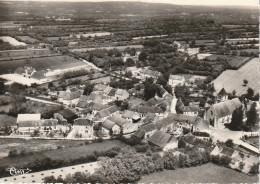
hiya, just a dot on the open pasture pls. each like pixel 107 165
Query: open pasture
pixel 24 53
pixel 207 173
pixel 44 63
pixel 12 41
pixel 233 79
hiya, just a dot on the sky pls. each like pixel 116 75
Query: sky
pixel 181 2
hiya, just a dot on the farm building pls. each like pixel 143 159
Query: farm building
pixel 82 128
pixel 163 140
pixel 221 113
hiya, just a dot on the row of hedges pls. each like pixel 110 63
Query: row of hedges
pixel 46 163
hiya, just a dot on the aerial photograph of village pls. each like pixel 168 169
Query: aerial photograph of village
pixel 148 91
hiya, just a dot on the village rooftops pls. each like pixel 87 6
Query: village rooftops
pixel 182 117
pixel 160 138
pixel 117 119
pixel 176 77
pixel 28 117
pixel 129 114
pixel 107 124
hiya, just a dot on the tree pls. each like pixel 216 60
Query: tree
pixel 17 97
pixel 237 119
pixel 251 116
pixel 161 80
pixel 229 143
pixel 2 87
pixel 245 82
pixel 88 88
pixel 143 56
pixel 250 93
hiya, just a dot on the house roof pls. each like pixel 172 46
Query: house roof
pixel 28 117
pixel 108 124
pixel 176 77
pixel 227 151
pixel 128 114
pixel 139 133
pixel 149 118
pixel 82 121
pixel 107 90
pixel 159 138
pixel 112 92
pixel 182 117
pixel 100 87
pixel 191 109
pixel 112 109
pixel 165 122
pixel 38 123
pixel 121 92
pixel 222 92
pixel 69 95
pixel 223 109
pixel 202 124
pixel 66 113
pixel 148 128
pixel 151 102
pixel 117 119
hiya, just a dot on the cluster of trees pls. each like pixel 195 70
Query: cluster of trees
pixel 237 122
pixel 75 73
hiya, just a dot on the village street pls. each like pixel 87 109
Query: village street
pixel 223 134
pixel 38 177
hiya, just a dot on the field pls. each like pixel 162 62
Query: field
pixel 94 34
pixel 237 61
pixel 72 149
pixel 27 39
pixel 108 48
pixel 12 41
pixel 233 79
pixel 24 53
pixel 6 120
pixel 256 51
pixel 44 63
pixel 208 173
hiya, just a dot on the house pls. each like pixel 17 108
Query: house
pixel 44 126
pixel 103 114
pixel 131 116
pixel 121 94
pixel 193 51
pixel 221 113
pixel 148 129
pixel 69 115
pixel 27 117
pixel 82 128
pixel 191 111
pixel 109 128
pixel 163 140
pixel 201 125
pixel 222 95
pixel 175 80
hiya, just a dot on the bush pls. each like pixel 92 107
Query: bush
pixel 181 144
pixel 12 153
pixel 141 148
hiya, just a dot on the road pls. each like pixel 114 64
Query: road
pixel 223 134
pixel 38 177
pixel 42 100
